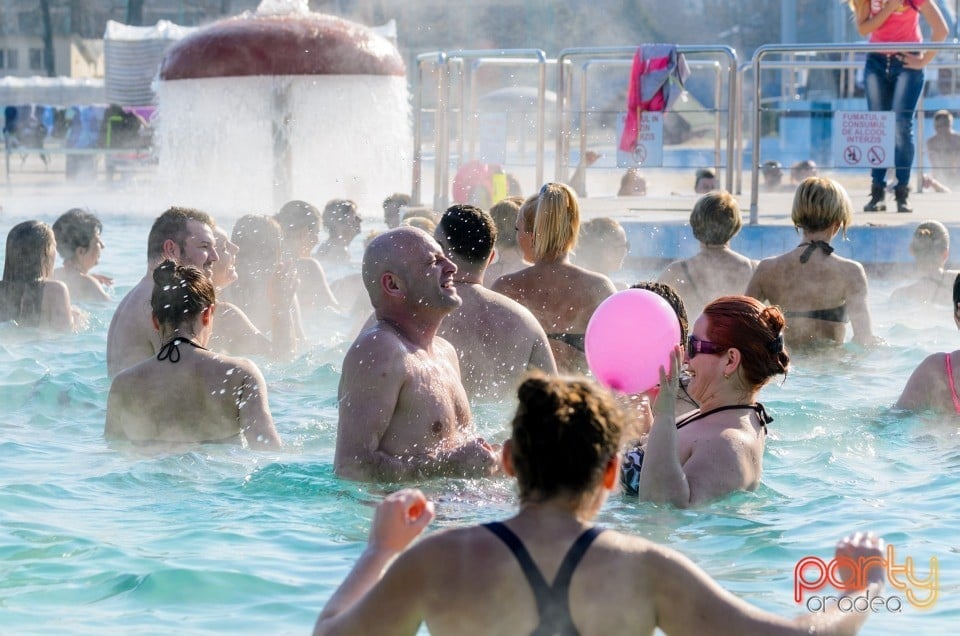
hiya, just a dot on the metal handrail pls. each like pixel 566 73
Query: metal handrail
pixel 440 59
pixel 585 67
pixel 567 55
pixel 443 61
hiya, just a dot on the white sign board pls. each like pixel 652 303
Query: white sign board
pixel 649 148
pixel 863 139
pixel 492 138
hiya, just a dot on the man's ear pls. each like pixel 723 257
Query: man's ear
pixel 156 323
pixel 493 256
pixel 171 250
pixel 390 284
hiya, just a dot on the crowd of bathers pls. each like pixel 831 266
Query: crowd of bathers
pixel 482 305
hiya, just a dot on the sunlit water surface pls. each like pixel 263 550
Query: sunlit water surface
pixel 224 540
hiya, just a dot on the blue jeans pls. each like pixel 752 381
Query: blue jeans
pixel 891 86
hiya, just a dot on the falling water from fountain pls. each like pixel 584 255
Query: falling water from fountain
pixel 281 104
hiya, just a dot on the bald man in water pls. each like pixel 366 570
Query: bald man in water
pixel 498 339
pixel 403 410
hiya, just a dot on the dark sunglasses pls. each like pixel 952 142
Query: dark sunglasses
pixel 697 346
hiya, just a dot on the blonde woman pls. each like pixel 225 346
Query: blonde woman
pixel 560 294
pixel 818 291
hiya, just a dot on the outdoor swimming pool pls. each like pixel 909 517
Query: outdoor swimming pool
pixel 223 540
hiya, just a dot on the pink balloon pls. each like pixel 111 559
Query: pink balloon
pixel 629 337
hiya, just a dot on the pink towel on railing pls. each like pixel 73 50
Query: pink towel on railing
pixel 651 87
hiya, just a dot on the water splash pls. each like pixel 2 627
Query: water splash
pixel 283 7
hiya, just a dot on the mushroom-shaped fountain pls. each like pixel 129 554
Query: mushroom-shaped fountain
pixel 279 104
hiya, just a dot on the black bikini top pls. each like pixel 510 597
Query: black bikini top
pixel 812 247
pixel 761 413
pixel 171 350
pixel 834 314
pixel 575 340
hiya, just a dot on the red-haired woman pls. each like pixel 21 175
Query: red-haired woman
pixel 734 348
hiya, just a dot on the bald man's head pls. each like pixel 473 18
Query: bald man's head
pixel 416 266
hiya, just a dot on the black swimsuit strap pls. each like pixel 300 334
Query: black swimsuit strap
pixel 812 247
pixel 553 601
pixel 575 340
pixel 761 413
pixel 171 350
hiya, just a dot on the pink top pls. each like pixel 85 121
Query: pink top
pixel 953 387
pixel 903 25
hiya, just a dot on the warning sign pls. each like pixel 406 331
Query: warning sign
pixel 863 139
pixel 649 148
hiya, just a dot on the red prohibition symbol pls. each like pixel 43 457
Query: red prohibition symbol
pixel 640 153
pixel 852 155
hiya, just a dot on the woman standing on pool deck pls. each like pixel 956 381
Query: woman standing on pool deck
pixel 28 294
pixel 932 385
pixel 734 348
pixel 893 80
pixel 492 578
pixel 817 290
pixel 560 294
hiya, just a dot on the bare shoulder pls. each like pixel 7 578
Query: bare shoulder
pixel 237 363
pixel 309 266
pixel 443 346
pixel 375 345
pixel 508 306
pixel 768 264
pixel 509 283
pixel 234 320
pixel 744 260
pixel 853 271
pixel 121 382
pixel 850 264
pixel 56 290
pixel 932 369
pixel 601 285
pixel 670 271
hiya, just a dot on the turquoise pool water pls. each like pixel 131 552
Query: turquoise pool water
pixel 221 540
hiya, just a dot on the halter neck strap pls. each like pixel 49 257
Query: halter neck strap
pixel 757 407
pixel 171 350
pixel 812 247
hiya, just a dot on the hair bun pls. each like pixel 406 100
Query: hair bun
pixel 165 273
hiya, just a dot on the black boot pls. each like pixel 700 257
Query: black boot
pixel 900 193
pixel 876 204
